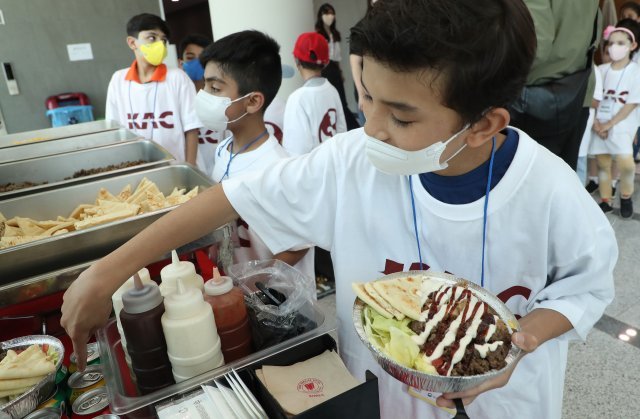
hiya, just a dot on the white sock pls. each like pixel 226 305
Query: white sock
pixel 614 183
pixel 594 178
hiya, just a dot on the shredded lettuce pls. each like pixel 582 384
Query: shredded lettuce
pixel 402 348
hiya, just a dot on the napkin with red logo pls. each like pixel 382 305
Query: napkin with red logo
pixel 306 384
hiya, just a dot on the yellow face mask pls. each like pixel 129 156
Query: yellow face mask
pixel 154 52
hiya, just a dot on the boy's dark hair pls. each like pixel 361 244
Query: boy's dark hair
pixel 631 5
pixel 634 27
pixel 310 66
pixel 252 59
pixel 481 51
pixel 195 39
pixel 146 22
pixel 324 9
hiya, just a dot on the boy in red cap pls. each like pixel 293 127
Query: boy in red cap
pixel 313 113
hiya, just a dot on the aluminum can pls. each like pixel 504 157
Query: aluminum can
pixel 93 357
pixel 92 404
pixel 81 382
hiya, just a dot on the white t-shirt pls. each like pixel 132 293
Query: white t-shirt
pixel 247 245
pixel 620 87
pixel 313 115
pixel 588 133
pixel 548 246
pixel 274 118
pixel 162 111
pixel 207 144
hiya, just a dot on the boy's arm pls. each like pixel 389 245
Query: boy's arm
pixel 620 116
pixel 191 146
pixel 87 303
pixel 291 257
pixel 537 327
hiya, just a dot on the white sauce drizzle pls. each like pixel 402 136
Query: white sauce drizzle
pixel 470 333
pixel 482 349
pixel 450 336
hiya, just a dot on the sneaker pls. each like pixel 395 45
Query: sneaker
pixel 626 208
pixel 592 186
pixel 605 207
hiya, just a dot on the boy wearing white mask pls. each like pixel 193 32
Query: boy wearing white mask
pixel 436 179
pixel 242 76
pixel 150 99
pixel 314 112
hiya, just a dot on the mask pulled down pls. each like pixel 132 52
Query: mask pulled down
pixel 396 161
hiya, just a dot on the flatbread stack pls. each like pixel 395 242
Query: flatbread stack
pixel 107 208
pixel 21 371
pixel 399 298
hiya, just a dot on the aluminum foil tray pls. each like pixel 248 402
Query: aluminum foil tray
pixel 65 145
pixel 429 382
pixel 57 252
pixel 27 402
pixel 48 134
pixel 49 172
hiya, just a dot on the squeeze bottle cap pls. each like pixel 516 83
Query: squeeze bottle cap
pixel 141 298
pixel 185 302
pixel 177 269
pixel 218 285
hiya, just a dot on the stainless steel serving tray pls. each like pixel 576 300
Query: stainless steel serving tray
pixel 49 134
pixel 430 382
pixel 53 253
pixel 65 145
pixel 54 169
pixel 27 402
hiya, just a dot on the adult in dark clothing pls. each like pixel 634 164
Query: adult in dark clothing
pixel 550 108
pixel 326 26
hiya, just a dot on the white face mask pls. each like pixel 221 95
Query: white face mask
pixel 328 19
pixel 396 161
pixel 618 52
pixel 211 110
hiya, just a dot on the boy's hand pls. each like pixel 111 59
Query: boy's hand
pixel 84 310
pixel 525 341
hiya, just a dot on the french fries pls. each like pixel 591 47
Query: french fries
pixel 107 208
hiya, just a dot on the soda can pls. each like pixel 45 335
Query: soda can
pixel 47 413
pixel 81 382
pixel 57 399
pixel 62 374
pixel 93 357
pixel 92 404
pixel 107 416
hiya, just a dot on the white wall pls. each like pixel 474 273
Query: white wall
pixel 283 20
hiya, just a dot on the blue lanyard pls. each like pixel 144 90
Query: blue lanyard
pixel 484 217
pixel 155 97
pixel 233 156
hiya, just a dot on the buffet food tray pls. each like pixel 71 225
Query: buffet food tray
pixel 57 252
pixel 49 134
pixel 121 388
pixel 50 172
pixel 65 145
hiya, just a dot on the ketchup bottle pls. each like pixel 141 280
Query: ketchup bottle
pixel 141 322
pixel 231 316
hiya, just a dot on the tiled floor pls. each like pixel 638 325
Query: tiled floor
pixel 603 373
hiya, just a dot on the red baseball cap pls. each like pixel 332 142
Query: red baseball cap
pixel 312 42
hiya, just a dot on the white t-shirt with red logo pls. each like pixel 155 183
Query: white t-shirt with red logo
pixel 208 141
pixel 162 111
pixel 620 87
pixel 248 246
pixel 274 118
pixel 313 115
pixel 548 246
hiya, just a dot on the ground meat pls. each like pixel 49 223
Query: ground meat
pixel 416 326
pixel 89 172
pixel 15 186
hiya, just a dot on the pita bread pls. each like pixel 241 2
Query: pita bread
pixel 19 383
pixel 30 363
pixel 362 294
pixel 403 294
pixel 369 295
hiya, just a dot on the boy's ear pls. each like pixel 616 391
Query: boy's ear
pixel 256 102
pixel 494 121
pixel 131 42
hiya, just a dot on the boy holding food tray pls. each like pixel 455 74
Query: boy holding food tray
pixel 436 178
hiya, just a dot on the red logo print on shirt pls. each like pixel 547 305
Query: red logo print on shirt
pixel 142 121
pixel 274 130
pixel 243 233
pixel 611 95
pixel 207 137
pixel 327 127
